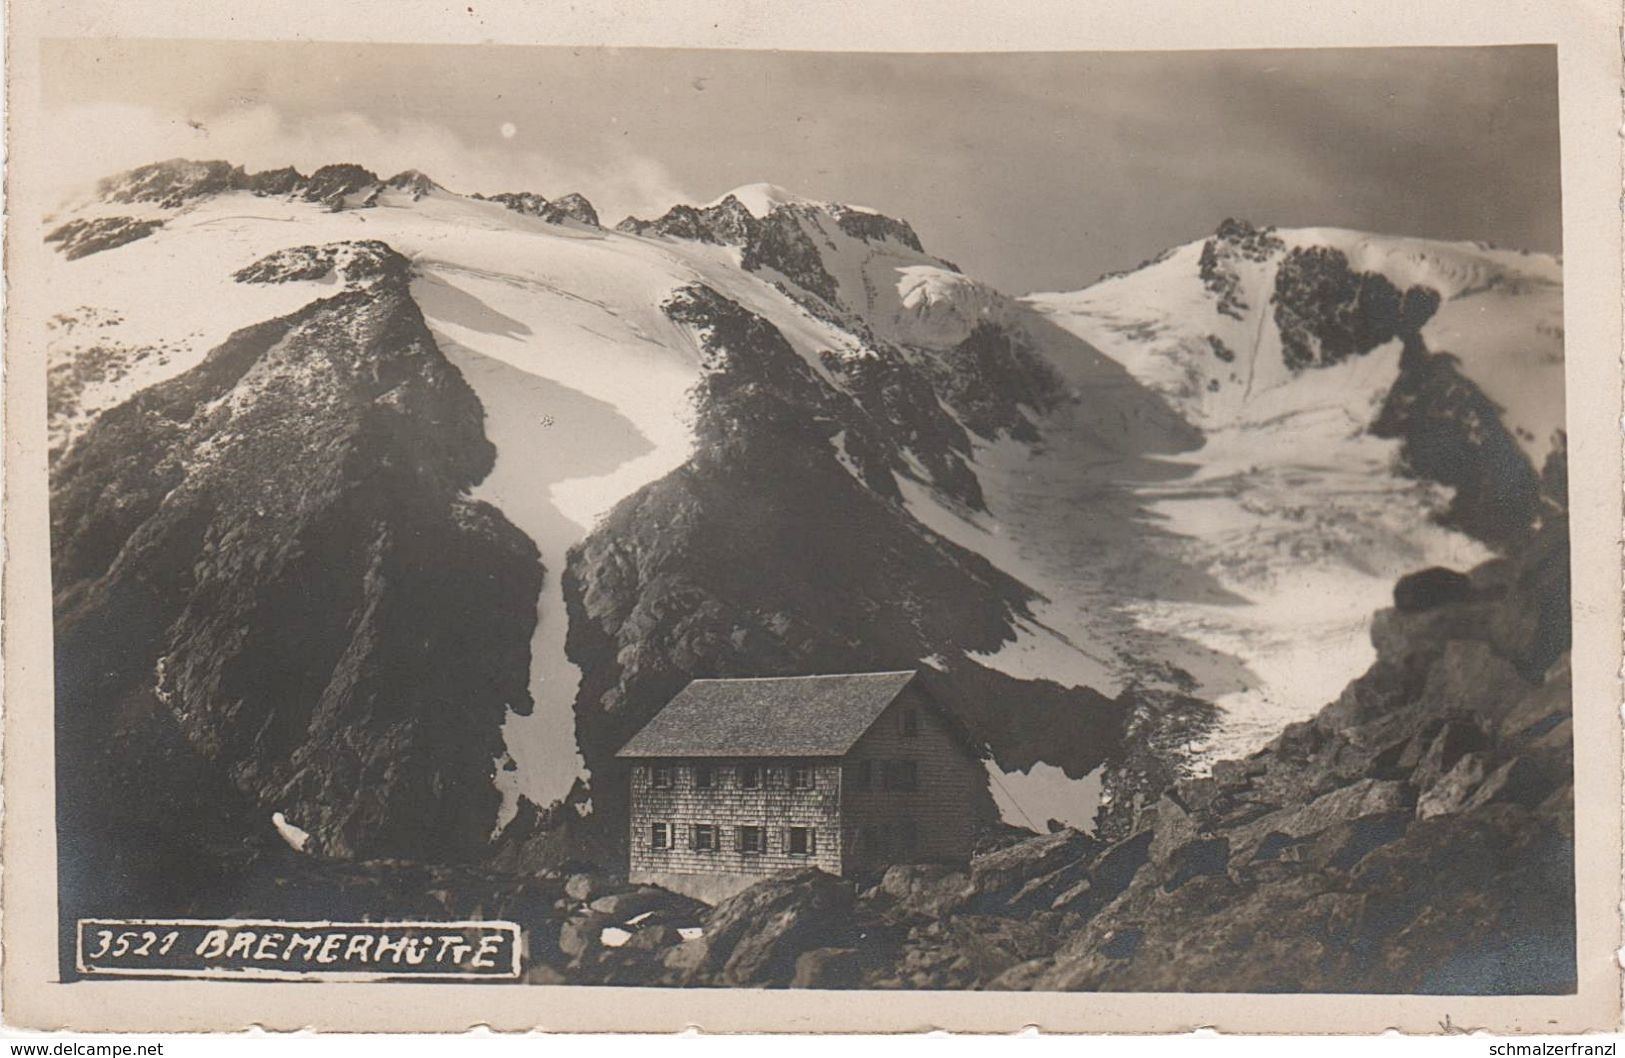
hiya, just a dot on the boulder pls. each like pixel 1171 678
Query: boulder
pixel 580 934
pixel 1431 588
pixel 687 958
pixel 1453 739
pixel 1362 798
pixel 924 890
pixel 1451 791
pixel 652 938
pixel 1518 781
pixel 827 968
pixel 1031 873
pixel 666 905
pixel 1541 708
pixel 583 888
pixel 1108 876
pixel 755 937
pixel 1195 859
pixel 1470 679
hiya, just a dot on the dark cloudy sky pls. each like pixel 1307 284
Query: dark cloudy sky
pixel 1033 171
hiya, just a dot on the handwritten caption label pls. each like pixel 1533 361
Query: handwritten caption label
pixel 358 951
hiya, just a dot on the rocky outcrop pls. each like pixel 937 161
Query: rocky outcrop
pixel 355 264
pixel 414 182
pixel 268 572
pixel 783 244
pixel 1415 836
pixel 995 382
pixel 81 238
pixel 790 240
pixel 342 186
pixel 875 227
pixel 568 207
pixel 727 222
pixel 1235 242
pixel 273 183
pixel 1327 312
pixel 172 184
pixel 1453 434
pixel 574 206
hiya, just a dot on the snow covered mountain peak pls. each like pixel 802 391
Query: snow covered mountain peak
pixel 1230 328
pixel 763 198
pixel 413 181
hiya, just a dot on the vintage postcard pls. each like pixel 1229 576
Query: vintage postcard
pixel 813 522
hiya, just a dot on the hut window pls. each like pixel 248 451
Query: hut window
pixel 803 841
pixel 705 837
pixel 774 776
pixel 660 835
pixel 752 839
pixel 705 776
pixel 660 776
pixel 801 777
pixel 908 723
pixel 750 776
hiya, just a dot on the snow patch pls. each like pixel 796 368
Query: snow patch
pixel 1043 654
pixel 1044 792
pixel 296 837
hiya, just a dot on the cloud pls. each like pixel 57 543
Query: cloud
pixel 94 140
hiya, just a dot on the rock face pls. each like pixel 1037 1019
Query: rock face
pixel 569 207
pixel 1453 434
pixel 268 572
pixel 81 238
pixel 171 184
pixel 728 222
pixel 354 263
pixel 1327 312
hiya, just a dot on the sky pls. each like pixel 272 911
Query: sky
pixel 1032 171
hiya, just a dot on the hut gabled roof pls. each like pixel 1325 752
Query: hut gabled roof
pixel 784 716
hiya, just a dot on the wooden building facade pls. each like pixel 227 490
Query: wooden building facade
pixel 735 780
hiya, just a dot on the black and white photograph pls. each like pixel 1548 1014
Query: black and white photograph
pixel 693 519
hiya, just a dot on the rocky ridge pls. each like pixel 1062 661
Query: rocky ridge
pixel 566 207
pixel 268 572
